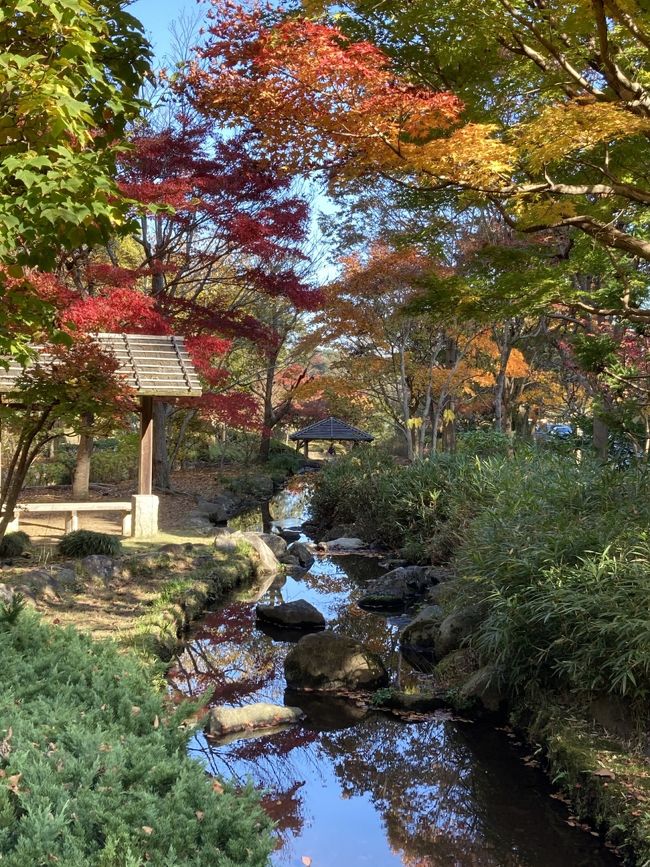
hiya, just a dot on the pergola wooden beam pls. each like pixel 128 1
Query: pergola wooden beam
pixel 152 366
pixel 145 471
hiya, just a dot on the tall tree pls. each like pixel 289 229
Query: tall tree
pixel 553 132
pixel 70 76
pixel 218 230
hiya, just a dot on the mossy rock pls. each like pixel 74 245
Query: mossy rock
pixel 328 661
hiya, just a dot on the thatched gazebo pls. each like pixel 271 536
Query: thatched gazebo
pixel 151 366
pixel 332 430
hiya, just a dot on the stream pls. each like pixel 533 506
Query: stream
pixel 350 787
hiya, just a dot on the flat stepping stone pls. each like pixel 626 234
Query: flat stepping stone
pixel 224 720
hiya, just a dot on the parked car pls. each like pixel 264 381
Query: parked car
pixel 554 431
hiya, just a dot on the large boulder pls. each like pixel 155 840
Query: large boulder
pixel 6 594
pixel 441 593
pixel 224 720
pixel 66 579
pixel 289 535
pixel 483 689
pixel 327 661
pixel 214 510
pixel 219 506
pixel 276 543
pixel 439 635
pixel 299 614
pixel 423 631
pixel 99 566
pixel 456 628
pixel 302 552
pixel 338 531
pixel 396 589
pixel 200 523
pixel 266 563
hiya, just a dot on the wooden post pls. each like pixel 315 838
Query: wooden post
pixel 72 522
pixel 145 477
pixel 307 449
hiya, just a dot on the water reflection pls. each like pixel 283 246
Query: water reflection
pixel 352 787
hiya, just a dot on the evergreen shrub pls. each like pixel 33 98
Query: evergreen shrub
pixel 13 544
pixel 83 543
pixel 94 764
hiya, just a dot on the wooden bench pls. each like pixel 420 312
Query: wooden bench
pixel 72 510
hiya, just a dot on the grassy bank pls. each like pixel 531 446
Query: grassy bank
pixel 145 597
pixel 555 555
pixel 93 765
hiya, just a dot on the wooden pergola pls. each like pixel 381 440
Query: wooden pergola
pixel 330 429
pixel 152 366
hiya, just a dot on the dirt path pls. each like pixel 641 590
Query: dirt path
pixel 188 486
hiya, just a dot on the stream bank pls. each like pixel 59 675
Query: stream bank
pixel 352 785
pixel 547 622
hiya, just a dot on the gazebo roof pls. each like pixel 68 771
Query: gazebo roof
pixel 331 429
pixel 152 365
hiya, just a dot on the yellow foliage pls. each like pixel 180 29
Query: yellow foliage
pixel 471 154
pixel 517 367
pixel 543 213
pixel 568 127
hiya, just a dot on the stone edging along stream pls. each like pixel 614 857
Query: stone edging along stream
pixel 206 578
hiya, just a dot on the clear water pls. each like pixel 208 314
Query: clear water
pixel 352 787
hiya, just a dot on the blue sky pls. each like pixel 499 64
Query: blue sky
pixel 157 17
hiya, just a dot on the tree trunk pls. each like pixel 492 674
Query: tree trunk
pixel 435 426
pixel 500 408
pixel 601 438
pixel 269 418
pixel 406 397
pixel 161 468
pixel 81 477
pixel 31 441
pixel 449 427
pixel 265 446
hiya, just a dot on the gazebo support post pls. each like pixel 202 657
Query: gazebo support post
pixel 306 449
pixel 144 521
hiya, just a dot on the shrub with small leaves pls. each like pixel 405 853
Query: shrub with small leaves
pixel 94 764
pixel 13 545
pixel 10 611
pixel 83 543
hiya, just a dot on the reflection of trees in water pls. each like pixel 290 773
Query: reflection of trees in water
pixel 449 797
pixel 229 655
pixel 290 505
pixel 420 780
pixel 278 765
pixel 446 800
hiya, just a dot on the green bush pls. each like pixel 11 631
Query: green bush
pixel 13 544
pixel 44 473
pixel 82 543
pixel 582 628
pixel 485 443
pixel 115 460
pixel 95 765
pixel 557 552
pixel 426 504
